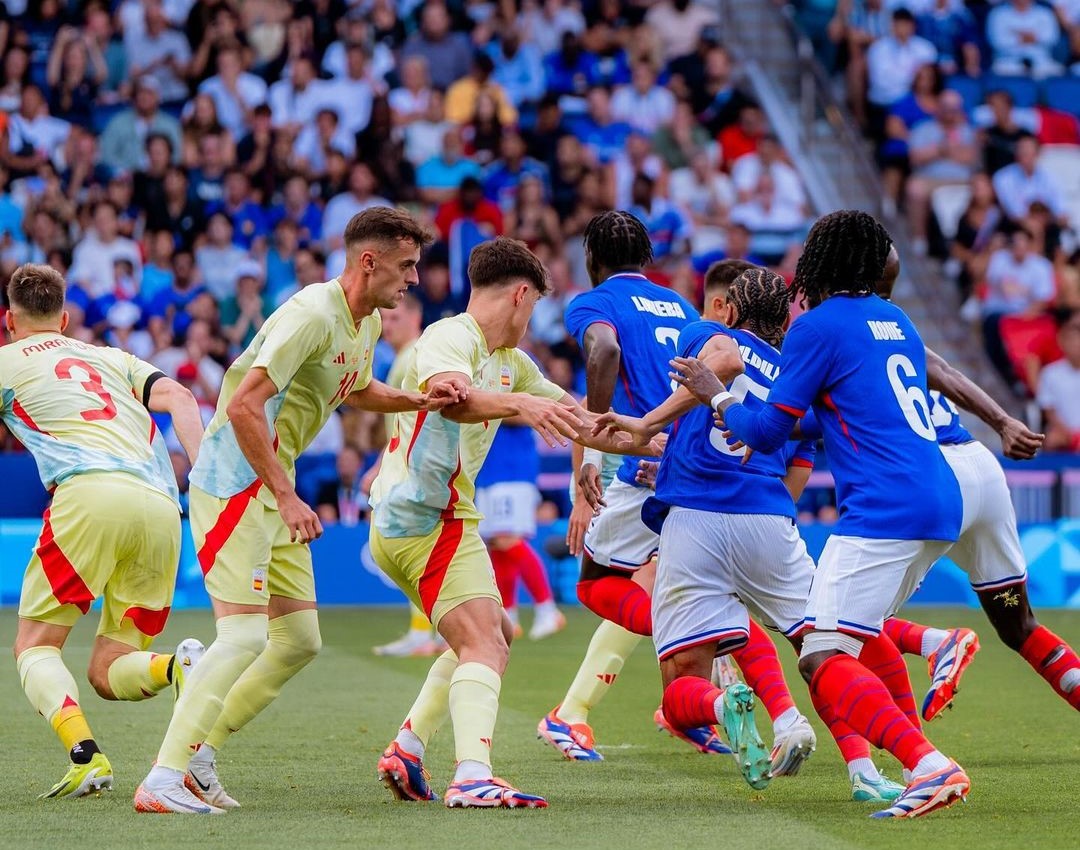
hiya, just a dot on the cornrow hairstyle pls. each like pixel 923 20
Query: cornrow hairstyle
pixel 844 252
pixel 761 299
pixel 617 239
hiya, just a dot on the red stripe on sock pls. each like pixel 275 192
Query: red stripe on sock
pixel 227 521
pixel 532 571
pixel 690 702
pixel 620 600
pixel 906 635
pixel 761 669
pixel 882 658
pixel 862 701
pixel 1052 658
pixel 66 584
pixel 851 744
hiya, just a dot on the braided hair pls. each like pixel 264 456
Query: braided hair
pixel 761 299
pixel 845 252
pixel 617 239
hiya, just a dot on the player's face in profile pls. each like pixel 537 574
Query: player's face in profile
pixel 525 296
pixel 394 272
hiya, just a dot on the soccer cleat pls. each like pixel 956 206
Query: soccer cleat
pixel 573 740
pixel 879 790
pixel 202 780
pixel 947 664
pixel 489 794
pixel 546 624
pixel 724 672
pixel 411 645
pixel 792 747
pixel 404 775
pixel 742 734
pixel 925 794
pixel 171 798
pixel 703 739
pixel 81 779
pixel 189 652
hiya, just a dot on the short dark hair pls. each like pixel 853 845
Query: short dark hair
pixel 502 260
pixel 723 272
pixel 385 224
pixel 37 290
pixel 617 239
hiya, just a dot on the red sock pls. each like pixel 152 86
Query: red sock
pixel 1055 661
pixel 906 635
pixel 506 575
pixel 620 600
pixel 533 574
pixel 760 667
pixel 859 699
pixel 690 702
pixel 881 657
pixel 851 744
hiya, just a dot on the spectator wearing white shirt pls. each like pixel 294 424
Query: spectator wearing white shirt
pixel 424 136
pixel 748 170
pixel 1022 35
pixel 235 92
pixel 356 31
pixel 774 222
pixel 351 94
pixel 319 137
pixel 544 22
pixel 93 264
pixel 643 104
pixel 219 259
pixel 159 51
pixel 706 194
pixel 678 25
pixel 892 61
pixel 1023 183
pixel 295 100
pixel 1019 282
pixel 35 136
pixel 1059 390
pixel 409 101
pixel 341 208
pixel 635 159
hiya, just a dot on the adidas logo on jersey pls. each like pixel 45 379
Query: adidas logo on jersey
pixel 340 359
pixel 885 330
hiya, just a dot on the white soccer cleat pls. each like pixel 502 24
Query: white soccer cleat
pixel 164 796
pixel 202 781
pixel 189 652
pixel 547 623
pixel 412 645
pixel 724 672
pixel 792 747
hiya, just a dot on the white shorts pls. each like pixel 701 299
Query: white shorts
pixel 617 537
pixel 860 581
pixel 508 508
pixel 713 567
pixel 989 546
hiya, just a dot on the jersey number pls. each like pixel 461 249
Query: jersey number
pixel 741 387
pixel 912 400
pixel 348 381
pixel 666 337
pixel 92 385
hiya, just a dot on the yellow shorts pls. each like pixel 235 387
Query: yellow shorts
pixel 106 535
pixel 245 552
pixel 441 570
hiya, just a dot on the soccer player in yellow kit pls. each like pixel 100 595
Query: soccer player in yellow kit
pixel 113 528
pixel 249 525
pixel 424 533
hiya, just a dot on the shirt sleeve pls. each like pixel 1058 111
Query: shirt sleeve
pixel 804 454
pixel 805 360
pixel 373 326
pixel 139 373
pixel 529 379
pixel 289 343
pixel 810 426
pixel 585 310
pixel 444 348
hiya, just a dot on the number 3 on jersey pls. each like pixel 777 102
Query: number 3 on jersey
pixel 666 337
pixel 92 385
pixel 912 400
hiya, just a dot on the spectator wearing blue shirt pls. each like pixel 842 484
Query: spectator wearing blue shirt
pixel 167 311
pixel 438 179
pixel 503 176
pixel 951 28
pixel 297 207
pixel 157 273
pixel 567 69
pixel 598 130
pixel 208 179
pixel 519 69
pixel 248 219
pixel 736 247
pixel 610 65
pixel 669 229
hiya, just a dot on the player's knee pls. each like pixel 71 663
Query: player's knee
pixel 244 633
pixel 1014 630
pixel 98 676
pixel 298 635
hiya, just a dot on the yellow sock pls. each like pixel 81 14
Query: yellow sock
pixel 474 705
pixel 139 675
pixel 432 704
pixel 293 642
pixel 608 650
pixel 418 621
pixel 52 691
pixel 240 639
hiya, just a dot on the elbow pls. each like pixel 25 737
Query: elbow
pixel 239 409
pixel 604 355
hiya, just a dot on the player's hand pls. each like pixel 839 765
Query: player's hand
pixel 589 486
pixel 303 523
pixel 368 478
pixel 1018 441
pixel 696 377
pixel 445 393
pixel 646 473
pixel 580 517
pixel 556 423
pixel 612 423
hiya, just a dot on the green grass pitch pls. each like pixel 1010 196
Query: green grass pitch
pixel 305 769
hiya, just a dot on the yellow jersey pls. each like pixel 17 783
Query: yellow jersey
pixel 82 408
pixel 396 377
pixel 316 356
pixel 429 467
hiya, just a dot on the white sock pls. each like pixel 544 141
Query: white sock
pixel 410 743
pixel 512 613
pixel 931 640
pixel 718 709
pixel 160 777
pixel 866 767
pixel 468 770
pixel 204 755
pixel 548 607
pixel 420 633
pixel 786 720
pixel 930 763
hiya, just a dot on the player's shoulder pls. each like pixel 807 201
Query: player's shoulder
pixel 694 335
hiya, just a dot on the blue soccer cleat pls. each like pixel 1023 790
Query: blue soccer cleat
pixel 925 794
pixel 573 740
pixel 404 775
pixel 703 739
pixel 490 794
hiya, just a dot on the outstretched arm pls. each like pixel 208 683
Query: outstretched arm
pixel 168 396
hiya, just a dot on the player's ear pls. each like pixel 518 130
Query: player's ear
pixel 64 319
pixel 9 320
pixel 521 293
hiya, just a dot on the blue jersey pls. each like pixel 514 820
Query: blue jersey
pixel 647 319
pixel 859 361
pixel 946 419
pixel 699 470
pixel 512 457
